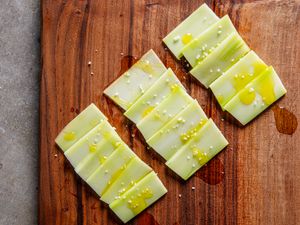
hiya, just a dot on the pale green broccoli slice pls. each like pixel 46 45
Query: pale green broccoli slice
pixel 153 96
pixel 258 95
pixel 88 144
pixel 220 60
pixel 164 112
pixel 79 126
pixel 133 83
pixel 111 169
pixel 191 27
pixel 207 143
pixel 199 48
pixel 237 77
pixel 139 197
pixel 178 131
pixel 98 154
pixel 134 172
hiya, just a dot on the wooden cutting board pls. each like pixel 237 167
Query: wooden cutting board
pixel 255 180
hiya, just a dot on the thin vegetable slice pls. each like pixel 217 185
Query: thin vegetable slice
pixel 258 95
pixel 106 163
pixel 208 142
pixel 220 60
pixel 142 195
pixel 133 83
pixel 237 77
pixel 191 27
pixel 98 155
pixel 164 112
pixel 111 169
pixel 199 48
pixel 79 126
pixel 88 144
pixel 134 172
pixel 178 131
pixel 153 96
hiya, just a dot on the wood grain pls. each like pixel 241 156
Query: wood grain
pixel 256 180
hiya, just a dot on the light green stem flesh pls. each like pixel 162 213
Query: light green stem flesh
pixel 198 49
pixel 153 96
pixel 106 163
pixel 208 142
pixel 106 174
pixel 178 131
pixel 79 126
pixel 220 60
pixel 98 155
pixel 256 96
pixel 134 172
pixel 136 199
pixel 164 112
pixel 89 143
pixel 200 20
pixel 237 77
pixel 133 83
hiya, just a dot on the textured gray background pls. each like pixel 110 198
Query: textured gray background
pixel 19 97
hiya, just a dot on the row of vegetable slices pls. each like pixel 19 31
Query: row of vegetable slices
pixel 241 82
pixel 171 121
pixel 108 165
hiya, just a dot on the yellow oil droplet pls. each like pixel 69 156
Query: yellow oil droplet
pixel 247 96
pixel 114 177
pixel 200 156
pixel 186 38
pixel 94 122
pixel 106 135
pixel 240 81
pixel 175 87
pixel 147 111
pixel 198 60
pixel 69 136
pixel 102 159
pixel 145 65
pixel 191 132
pixel 117 144
pixel 266 89
pixel 259 68
pixel 92 148
pixel 138 202
pixel 220 98
pixel 157 116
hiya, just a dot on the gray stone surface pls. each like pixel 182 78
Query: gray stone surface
pixel 19 97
